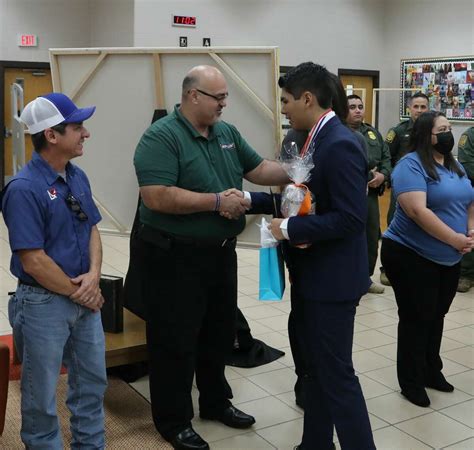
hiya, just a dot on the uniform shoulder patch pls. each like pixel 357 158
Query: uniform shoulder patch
pixel 391 136
pixel 371 135
pixel 462 141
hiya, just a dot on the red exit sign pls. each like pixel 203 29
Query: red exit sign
pixel 27 40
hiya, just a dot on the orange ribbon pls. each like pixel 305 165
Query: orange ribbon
pixel 305 207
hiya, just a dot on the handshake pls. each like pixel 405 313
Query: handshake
pixel 232 204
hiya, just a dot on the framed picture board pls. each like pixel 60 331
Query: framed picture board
pixel 448 83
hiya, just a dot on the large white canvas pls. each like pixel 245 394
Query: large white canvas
pixel 124 85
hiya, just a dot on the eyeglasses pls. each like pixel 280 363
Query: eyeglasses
pixel 217 98
pixel 75 207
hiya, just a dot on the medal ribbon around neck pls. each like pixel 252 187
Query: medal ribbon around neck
pixel 329 114
pixel 306 203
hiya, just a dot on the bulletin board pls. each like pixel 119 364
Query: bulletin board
pixel 448 83
pixel 128 84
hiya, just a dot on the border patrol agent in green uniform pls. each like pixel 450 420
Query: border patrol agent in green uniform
pixel 398 136
pixel 186 163
pixel 466 158
pixel 378 155
pixel 397 140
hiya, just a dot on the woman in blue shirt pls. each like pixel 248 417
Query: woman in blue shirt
pixel 432 228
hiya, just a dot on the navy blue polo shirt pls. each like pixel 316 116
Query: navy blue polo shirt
pixel 38 216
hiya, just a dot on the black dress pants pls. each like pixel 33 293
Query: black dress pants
pixel 333 396
pixel 300 358
pixel 191 297
pixel 424 291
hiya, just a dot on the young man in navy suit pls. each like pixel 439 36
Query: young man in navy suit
pixel 335 247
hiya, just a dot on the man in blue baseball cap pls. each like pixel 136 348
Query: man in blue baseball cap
pixel 56 256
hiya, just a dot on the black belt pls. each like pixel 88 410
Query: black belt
pixel 30 283
pixel 165 240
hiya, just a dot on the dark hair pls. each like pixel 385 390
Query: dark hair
pixel 420 142
pixel 419 94
pixel 39 139
pixel 339 98
pixel 353 96
pixel 324 85
pixel 189 82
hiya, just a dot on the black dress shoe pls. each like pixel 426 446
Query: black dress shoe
pixel 232 417
pixel 188 439
pixel 439 383
pixel 418 397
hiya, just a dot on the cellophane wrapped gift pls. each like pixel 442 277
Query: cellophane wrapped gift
pixel 296 199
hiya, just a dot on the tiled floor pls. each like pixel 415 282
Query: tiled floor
pixel 266 391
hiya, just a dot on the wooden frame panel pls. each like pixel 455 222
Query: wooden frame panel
pixel 267 107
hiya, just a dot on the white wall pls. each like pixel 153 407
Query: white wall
pixel 354 34
pixel 422 29
pixel 58 23
pixel 63 23
pixel 337 33
pixel 111 23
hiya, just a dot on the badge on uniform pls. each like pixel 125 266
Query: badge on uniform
pixel 53 195
pixel 372 136
pixel 390 136
pixel 463 140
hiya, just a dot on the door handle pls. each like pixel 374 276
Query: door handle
pixel 7 133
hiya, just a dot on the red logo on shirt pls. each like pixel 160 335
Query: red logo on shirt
pixel 52 193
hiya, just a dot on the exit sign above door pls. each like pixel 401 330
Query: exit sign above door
pixel 27 40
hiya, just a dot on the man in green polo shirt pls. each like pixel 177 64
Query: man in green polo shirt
pixel 379 165
pixel 184 164
pixel 397 139
pixel 466 158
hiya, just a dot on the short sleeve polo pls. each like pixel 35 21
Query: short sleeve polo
pixel 172 153
pixel 448 198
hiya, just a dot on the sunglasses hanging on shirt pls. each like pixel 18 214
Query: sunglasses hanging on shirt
pixel 75 207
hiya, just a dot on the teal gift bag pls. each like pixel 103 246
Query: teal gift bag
pixel 272 274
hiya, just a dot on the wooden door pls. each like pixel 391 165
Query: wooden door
pixel 360 85
pixel 35 82
pixel 384 203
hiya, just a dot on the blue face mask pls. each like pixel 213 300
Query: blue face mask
pixel 445 142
